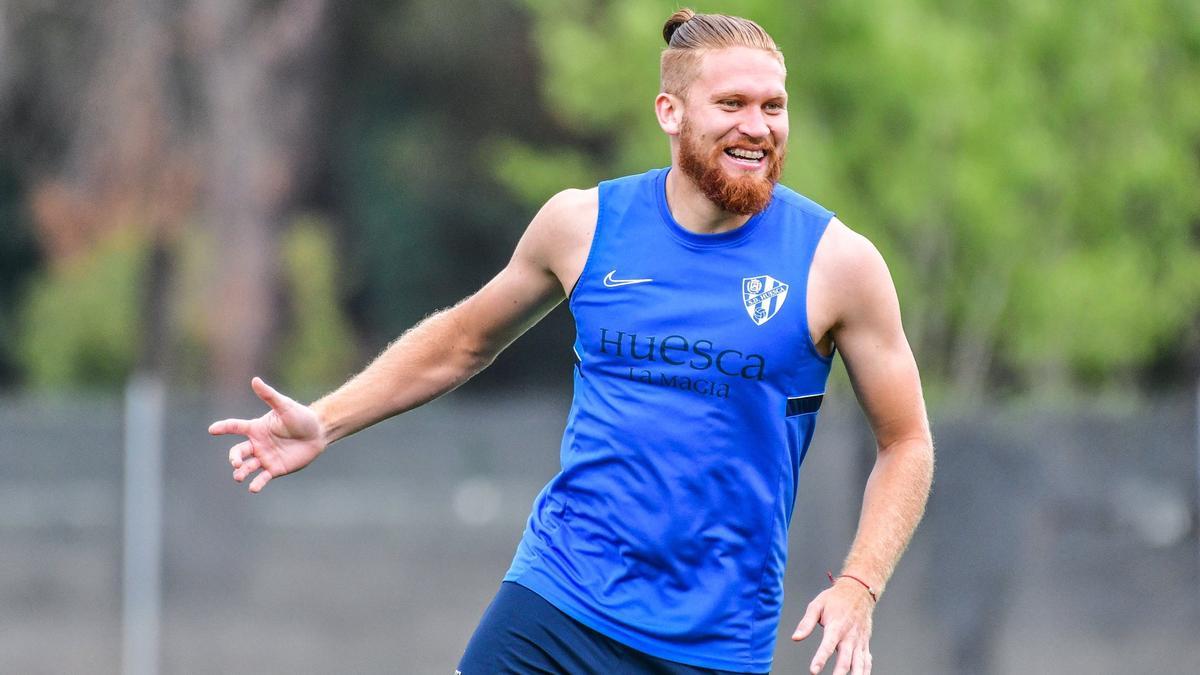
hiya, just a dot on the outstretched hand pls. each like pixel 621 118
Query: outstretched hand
pixel 845 611
pixel 283 441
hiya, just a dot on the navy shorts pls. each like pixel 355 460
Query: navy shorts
pixel 521 633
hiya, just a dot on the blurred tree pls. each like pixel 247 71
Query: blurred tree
pixel 1029 169
pixel 44 49
pixel 258 67
pixel 318 351
pixel 121 173
pixel 420 88
pixel 420 84
pixel 18 260
pixel 79 326
pixel 155 111
pixel 203 127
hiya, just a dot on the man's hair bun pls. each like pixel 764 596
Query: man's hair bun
pixel 689 34
pixel 677 19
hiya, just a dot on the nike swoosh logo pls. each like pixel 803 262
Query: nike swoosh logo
pixel 613 283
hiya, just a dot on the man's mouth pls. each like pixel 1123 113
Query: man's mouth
pixel 746 155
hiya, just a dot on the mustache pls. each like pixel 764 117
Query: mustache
pixel 766 145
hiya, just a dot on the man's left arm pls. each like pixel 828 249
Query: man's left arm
pixel 868 333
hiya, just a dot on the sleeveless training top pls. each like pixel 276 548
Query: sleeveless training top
pixel 696 392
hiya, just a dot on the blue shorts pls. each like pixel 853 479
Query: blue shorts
pixel 522 633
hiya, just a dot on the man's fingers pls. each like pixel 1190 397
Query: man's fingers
pixel 809 622
pixel 239 453
pixel 846 652
pixel 267 393
pixel 862 659
pixel 250 466
pixel 828 642
pixel 260 481
pixel 230 426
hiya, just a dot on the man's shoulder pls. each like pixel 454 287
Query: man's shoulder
pixel 582 205
pixel 792 200
pixel 848 279
pixel 848 257
pixel 649 175
pixel 572 198
pixel 847 242
pixel 566 221
pixel 645 182
pixel 572 205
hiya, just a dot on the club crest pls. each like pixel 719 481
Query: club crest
pixel 763 296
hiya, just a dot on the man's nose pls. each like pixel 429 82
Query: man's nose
pixel 753 123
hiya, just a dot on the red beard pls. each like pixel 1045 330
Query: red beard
pixel 743 195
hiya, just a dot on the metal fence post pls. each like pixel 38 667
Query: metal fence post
pixel 142 562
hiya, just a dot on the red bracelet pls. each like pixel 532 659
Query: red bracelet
pixel 870 591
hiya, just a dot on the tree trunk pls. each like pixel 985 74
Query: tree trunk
pixel 128 165
pixel 258 73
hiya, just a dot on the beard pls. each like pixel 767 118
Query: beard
pixel 744 195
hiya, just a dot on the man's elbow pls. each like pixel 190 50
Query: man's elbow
pixel 915 450
pixel 474 354
pixel 471 350
pixel 447 350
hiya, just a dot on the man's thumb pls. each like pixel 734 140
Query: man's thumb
pixel 811 617
pixel 267 393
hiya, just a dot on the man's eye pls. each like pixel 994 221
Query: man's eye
pixel 774 107
pixel 730 103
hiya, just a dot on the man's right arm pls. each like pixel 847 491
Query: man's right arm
pixel 449 347
pixel 435 356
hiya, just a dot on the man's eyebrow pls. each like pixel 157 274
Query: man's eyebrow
pixel 737 93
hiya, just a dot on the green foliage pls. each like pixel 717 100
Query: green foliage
pixel 318 348
pixel 422 88
pixel 196 255
pixel 80 321
pixel 1128 307
pixel 18 260
pixel 393 222
pixel 1028 168
pixel 533 175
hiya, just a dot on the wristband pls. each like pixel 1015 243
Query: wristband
pixel 870 591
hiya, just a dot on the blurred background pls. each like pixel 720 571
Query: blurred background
pixel 196 191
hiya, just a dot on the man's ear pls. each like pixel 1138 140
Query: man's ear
pixel 669 109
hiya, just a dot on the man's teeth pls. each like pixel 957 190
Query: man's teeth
pixel 746 154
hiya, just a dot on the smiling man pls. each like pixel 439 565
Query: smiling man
pixel 708 302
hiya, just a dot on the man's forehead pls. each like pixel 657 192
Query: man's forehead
pixel 742 69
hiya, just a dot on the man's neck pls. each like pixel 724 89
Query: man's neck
pixel 694 211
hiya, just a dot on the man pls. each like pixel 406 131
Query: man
pixel 708 301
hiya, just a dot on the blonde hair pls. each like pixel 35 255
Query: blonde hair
pixel 689 34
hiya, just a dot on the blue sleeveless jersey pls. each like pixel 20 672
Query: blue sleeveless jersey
pixel 696 392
